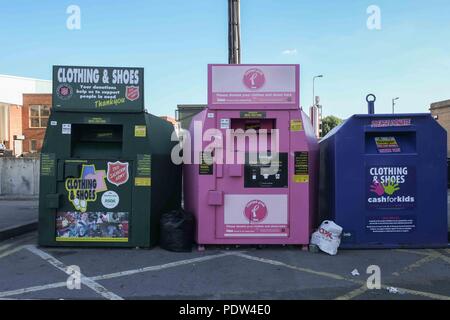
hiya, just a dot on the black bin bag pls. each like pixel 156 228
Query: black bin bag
pixel 177 231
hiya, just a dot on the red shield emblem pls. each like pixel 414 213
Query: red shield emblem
pixel 117 173
pixel 64 91
pixel 132 93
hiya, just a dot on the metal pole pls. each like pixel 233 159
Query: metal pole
pixel 371 103
pixel 234 36
pixel 314 97
pixel 314 79
pixel 393 104
pixel 230 32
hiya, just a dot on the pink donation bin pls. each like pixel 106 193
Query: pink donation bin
pixel 238 199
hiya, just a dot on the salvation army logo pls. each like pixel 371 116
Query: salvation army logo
pixel 132 93
pixel 255 211
pixel 117 173
pixel 64 91
pixel 254 79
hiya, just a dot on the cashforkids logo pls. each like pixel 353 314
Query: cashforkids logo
pixel 392 187
pixel 84 189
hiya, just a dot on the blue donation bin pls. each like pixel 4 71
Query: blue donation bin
pixel 384 180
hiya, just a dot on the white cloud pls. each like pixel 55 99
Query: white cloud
pixel 290 52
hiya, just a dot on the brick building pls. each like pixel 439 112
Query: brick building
pixel 35 114
pixel 14 119
pixel 441 112
pixel 169 119
pixel 11 127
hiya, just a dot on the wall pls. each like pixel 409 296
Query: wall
pixel 4 122
pixel 33 133
pixel 19 177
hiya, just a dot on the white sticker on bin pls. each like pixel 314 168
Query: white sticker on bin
pixel 110 199
pixel 224 123
pixel 66 128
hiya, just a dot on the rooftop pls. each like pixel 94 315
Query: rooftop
pixel 440 104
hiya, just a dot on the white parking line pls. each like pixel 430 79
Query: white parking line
pixel 338 277
pixel 115 275
pixel 6 246
pixel 422 252
pixel 9 252
pixel 422 293
pixel 15 242
pixel 440 255
pixel 32 289
pixel 279 263
pixel 418 264
pixel 353 294
pixel 160 267
pixel 98 288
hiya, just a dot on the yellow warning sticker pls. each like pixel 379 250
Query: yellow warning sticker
pixel 301 178
pixel 296 125
pixel 143 182
pixel 140 131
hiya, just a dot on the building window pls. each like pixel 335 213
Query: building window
pixel 39 116
pixel 33 145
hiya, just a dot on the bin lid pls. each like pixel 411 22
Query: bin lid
pixel 98 89
pixel 386 121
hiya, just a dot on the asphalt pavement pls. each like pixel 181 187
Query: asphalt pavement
pixel 273 272
pixel 17 212
pixel 17 217
pixel 30 272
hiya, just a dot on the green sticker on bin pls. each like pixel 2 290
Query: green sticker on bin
pixel 144 165
pixel 47 164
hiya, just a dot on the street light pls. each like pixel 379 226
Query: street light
pixel 319 109
pixel 393 104
pixel 314 79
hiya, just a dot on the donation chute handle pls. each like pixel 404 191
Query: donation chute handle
pixel 371 98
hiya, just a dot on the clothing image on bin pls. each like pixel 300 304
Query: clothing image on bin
pixel 245 202
pixel 383 179
pixel 106 173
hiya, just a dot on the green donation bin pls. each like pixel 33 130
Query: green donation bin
pixel 106 174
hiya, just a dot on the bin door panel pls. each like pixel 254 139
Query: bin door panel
pixel 96 202
pixel 253 216
pixel 256 192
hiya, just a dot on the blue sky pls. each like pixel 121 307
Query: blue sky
pixel 174 40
